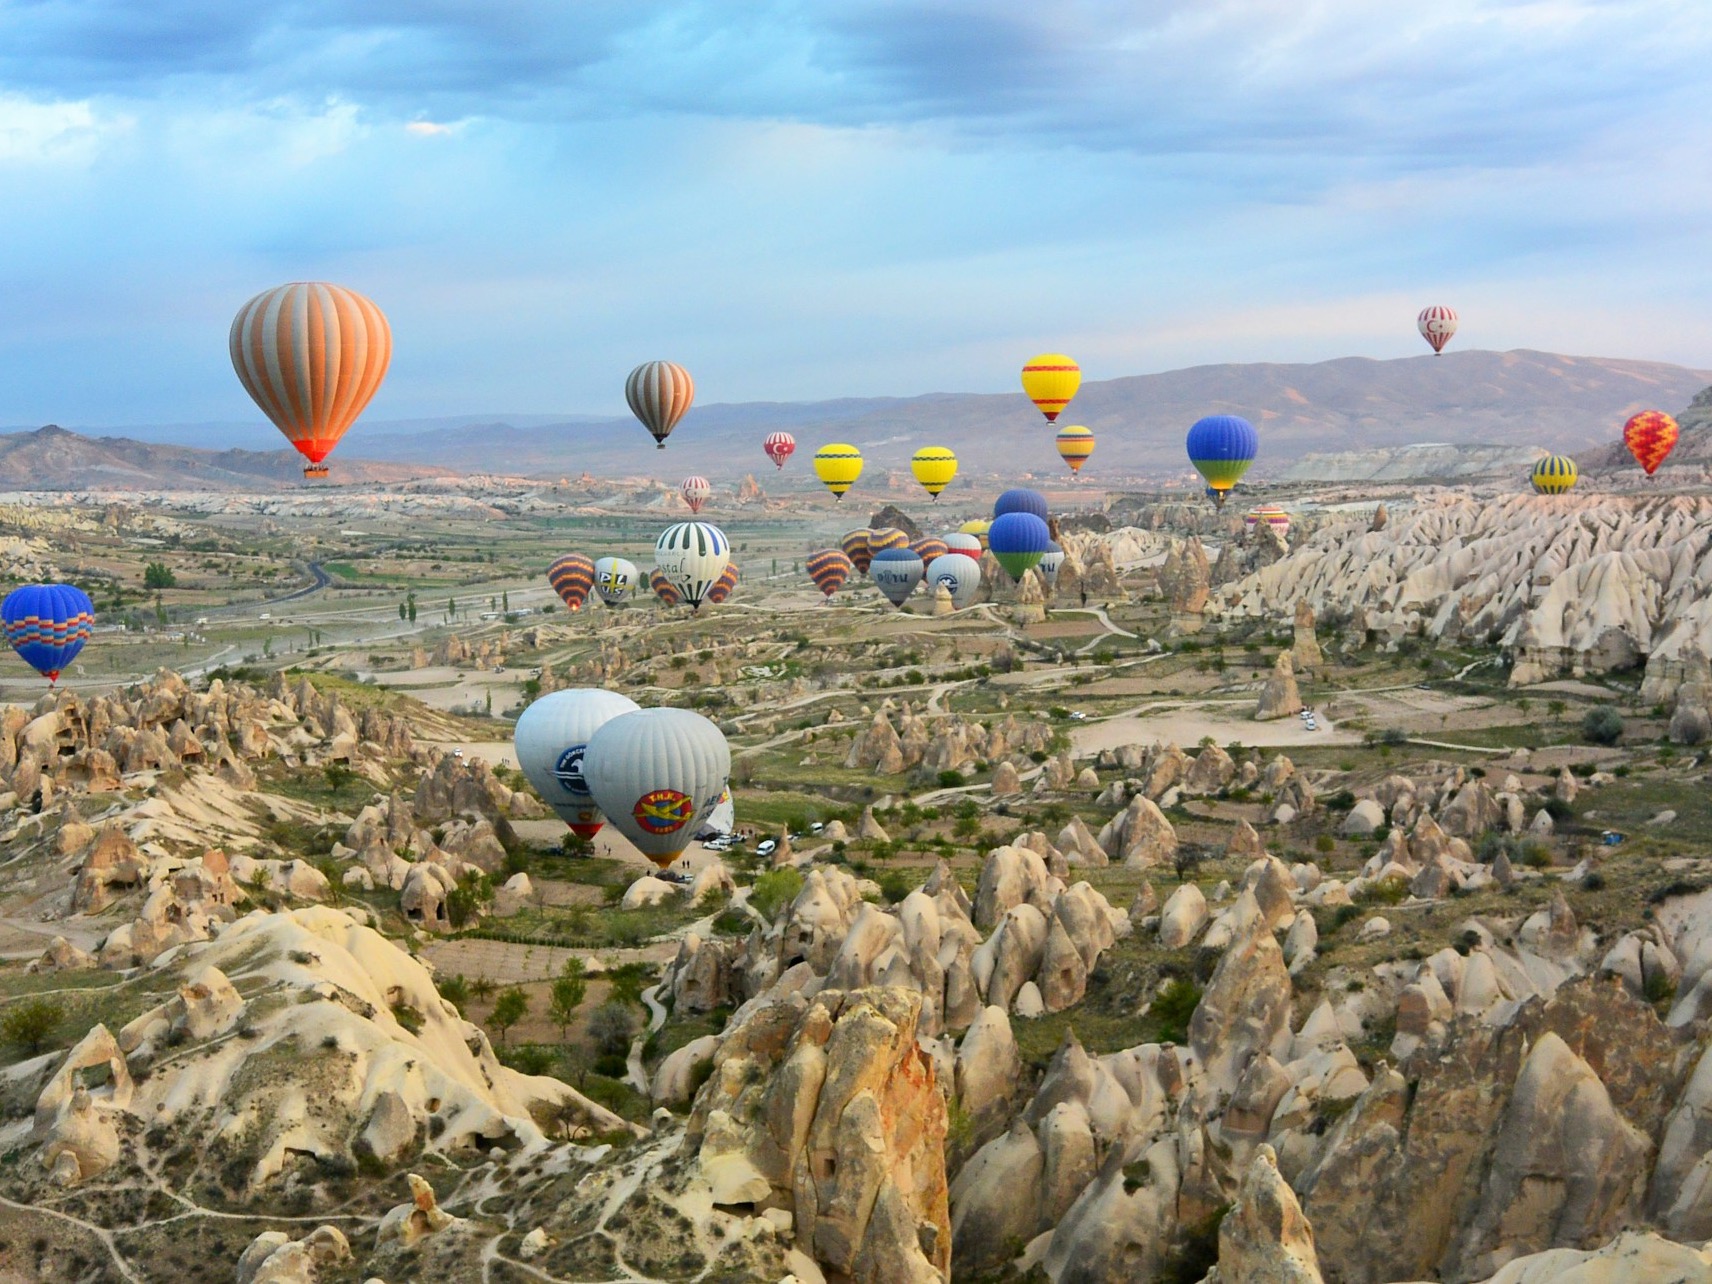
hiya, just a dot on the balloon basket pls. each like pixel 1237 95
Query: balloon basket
pixel 315 470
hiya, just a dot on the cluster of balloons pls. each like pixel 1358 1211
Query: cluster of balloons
pixel 692 565
pixel 1650 436
pixel 897 564
pixel 596 756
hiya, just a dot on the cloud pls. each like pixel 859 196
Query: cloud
pixel 428 129
pixel 35 132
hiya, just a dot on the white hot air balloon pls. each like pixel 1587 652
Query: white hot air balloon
pixel 656 775
pixel 1049 565
pixel 615 579
pixel 551 738
pixel 692 556
pixel 960 573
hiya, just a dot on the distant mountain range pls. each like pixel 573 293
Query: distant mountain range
pixel 1514 399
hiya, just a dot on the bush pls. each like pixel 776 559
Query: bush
pixel 531 1058
pixel 1393 736
pixel 1602 726
pixel 950 779
pixel 774 890
pixel 1325 843
pixel 158 575
pixel 610 1030
pixel 1172 1008
pixel 1559 810
pixel 31 1023
pixel 1387 891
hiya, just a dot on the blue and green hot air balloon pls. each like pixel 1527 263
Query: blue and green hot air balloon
pixel 47 624
pixel 1019 541
pixel 1222 447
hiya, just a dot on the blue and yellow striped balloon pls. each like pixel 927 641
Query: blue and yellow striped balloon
pixel 1222 447
pixel 1554 475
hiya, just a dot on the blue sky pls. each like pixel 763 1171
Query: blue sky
pixel 816 199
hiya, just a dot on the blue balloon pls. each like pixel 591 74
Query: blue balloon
pixel 1020 501
pixel 1018 541
pixel 47 624
pixel 1222 447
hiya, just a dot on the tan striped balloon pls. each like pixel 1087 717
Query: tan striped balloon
pixel 312 355
pixel 659 393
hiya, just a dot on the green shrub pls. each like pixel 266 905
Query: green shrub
pixel 1172 1008
pixel 1602 726
pixel 1387 891
pixel 31 1023
pixel 950 779
pixel 1325 843
pixel 774 890
pixel 610 1029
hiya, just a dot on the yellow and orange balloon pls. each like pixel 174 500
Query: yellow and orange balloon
pixel 1650 437
pixel 1050 380
pixel 1075 443
pixel 312 355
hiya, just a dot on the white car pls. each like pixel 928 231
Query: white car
pixel 766 848
pixel 1078 716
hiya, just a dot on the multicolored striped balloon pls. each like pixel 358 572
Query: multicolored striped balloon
pixel 1271 514
pixel 927 548
pixel 663 588
pixel 1050 380
pixel 779 446
pixel 963 542
pixel 1075 443
pixel 1437 324
pixel 1650 437
pixel 312 355
pixel 1554 475
pixel 47 625
pixel 830 568
pixel 572 576
pixel 695 491
pixel 884 538
pixel 857 549
pixel 659 393
pixel 723 586
pixel 693 555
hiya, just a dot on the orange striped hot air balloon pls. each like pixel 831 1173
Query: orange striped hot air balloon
pixel 312 355
pixel 1650 436
pixel 927 548
pixel 829 569
pixel 723 586
pixel 1075 443
pixel 886 537
pixel 572 576
pixel 1051 380
pixel 856 548
pixel 663 588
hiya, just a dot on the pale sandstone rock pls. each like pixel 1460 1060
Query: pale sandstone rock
pixel 1183 917
pixel 1279 698
pixel 1265 1239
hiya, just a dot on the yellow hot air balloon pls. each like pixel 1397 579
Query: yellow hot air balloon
pixel 1075 443
pixel 934 467
pixel 978 528
pixel 1050 380
pixel 1554 475
pixel 838 466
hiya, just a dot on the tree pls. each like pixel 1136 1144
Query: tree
pixel 567 995
pixel 1558 708
pixel 509 1008
pixel 410 606
pixel 451 608
pixel 403 611
pixel 158 575
pixel 505 602
pixel 1602 726
pixel 610 1028
pixel 31 1022
pixel 338 774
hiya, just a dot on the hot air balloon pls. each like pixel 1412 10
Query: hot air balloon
pixel 1020 500
pixel 1019 541
pixel 1222 447
pixel 1050 380
pixel 961 542
pixel 829 569
pixel 659 392
pixel 857 549
pixel 723 586
pixel 663 588
pixel 551 737
pixel 47 625
pixel 1650 436
pixel 896 572
pixel 960 573
pixel 695 491
pixel 927 548
pixel 1050 564
pixel 838 466
pixel 779 446
pixel 692 555
pixel 1554 475
pixel 312 355
pixel 934 467
pixel 1271 514
pixel 614 580
pixel 1075 443
pixel 979 528
pixel 656 774
pixel 1436 325
pixel 572 576
pixel 886 537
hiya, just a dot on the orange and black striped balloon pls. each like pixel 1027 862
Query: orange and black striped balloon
pixel 857 549
pixel 927 548
pixel 312 355
pixel 572 576
pixel 829 569
pixel 663 588
pixel 1650 436
pixel 723 586
pixel 886 537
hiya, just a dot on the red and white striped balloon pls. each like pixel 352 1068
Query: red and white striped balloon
pixel 1437 324
pixel 695 491
pixel 779 446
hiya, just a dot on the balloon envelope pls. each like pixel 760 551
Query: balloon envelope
pixel 934 467
pixel 572 576
pixel 896 571
pixel 1554 475
pixel 656 774
pixel 978 527
pixel 1650 437
pixel 724 585
pixel 1222 447
pixel 858 550
pixel 1050 380
pixel 695 491
pixel 312 355
pixel 1050 564
pixel 1019 541
pixel 551 737
pixel 1021 500
pixel 927 548
pixel 692 555
pixel 961 542
pixel 659 393
pixel 47 625
pixel 838 466
pixel 830 568
pixel 958 572
pixel 1437 324
pixel 614 579
pixel 663 588
pixel 886 537
pixel 1271 514
pixel 779 446
pixel 1075 443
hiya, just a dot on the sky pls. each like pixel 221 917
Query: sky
pixel 825 198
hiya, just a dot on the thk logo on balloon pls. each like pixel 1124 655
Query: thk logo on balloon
pixel 663 811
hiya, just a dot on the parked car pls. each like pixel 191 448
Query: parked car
pixel 816 828
pixel 767 847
